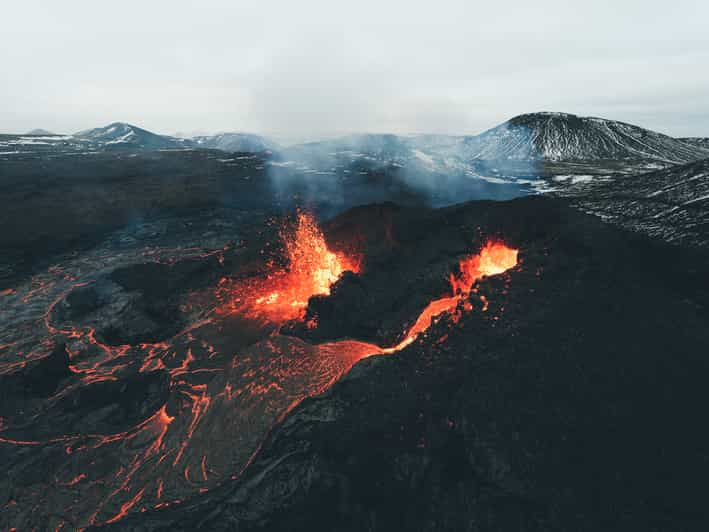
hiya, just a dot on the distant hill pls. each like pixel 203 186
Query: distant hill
pixel 40 132
pixel 234 142
pixel 387 147
pixel 126 136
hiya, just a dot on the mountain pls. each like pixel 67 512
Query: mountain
pixel 384 147
pixel 40 132
pixel 120 135
pixel 567 137
pixel 234 142
pixel 528 145
pixel 127 136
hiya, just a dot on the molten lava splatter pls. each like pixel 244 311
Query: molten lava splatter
pixel 312 269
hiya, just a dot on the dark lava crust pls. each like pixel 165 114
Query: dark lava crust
pixel 576 402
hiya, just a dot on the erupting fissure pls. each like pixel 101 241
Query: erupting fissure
pixel 312 269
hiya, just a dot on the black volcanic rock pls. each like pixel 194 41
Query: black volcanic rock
pixel 37 379
pixel 139 302
pixel 111 406
pixel 573 403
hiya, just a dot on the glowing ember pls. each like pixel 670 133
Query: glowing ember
pixel 312 269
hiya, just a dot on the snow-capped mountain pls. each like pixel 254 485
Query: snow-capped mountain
pixel 126 136
pixel 234 142
pixel 567 137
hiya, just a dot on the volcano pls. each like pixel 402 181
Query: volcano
pixel 567 137
pixel 571 393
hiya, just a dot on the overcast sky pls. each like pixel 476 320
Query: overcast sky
pixel 314 68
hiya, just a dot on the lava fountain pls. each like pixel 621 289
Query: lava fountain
pixel 284 293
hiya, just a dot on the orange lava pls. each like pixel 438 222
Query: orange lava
pixel 494 258
pixel 312 269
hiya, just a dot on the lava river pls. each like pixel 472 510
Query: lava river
pixel 132 427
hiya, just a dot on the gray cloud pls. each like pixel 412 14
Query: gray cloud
pixel 313 68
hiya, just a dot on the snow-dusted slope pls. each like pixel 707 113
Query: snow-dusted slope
pixel 235 142
pixel 702 142
pixel 567 137
pixel 127 136
pixel 672 204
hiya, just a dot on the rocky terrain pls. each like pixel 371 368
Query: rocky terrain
pixel 670 204
pixel 144 385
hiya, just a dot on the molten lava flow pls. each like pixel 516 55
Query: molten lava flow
pixel 493 259
pixel 312 269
